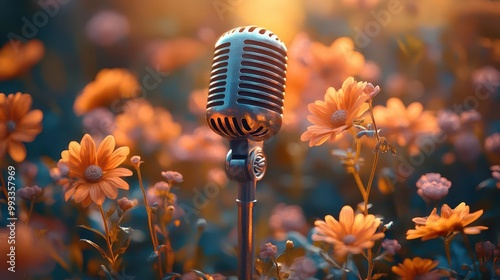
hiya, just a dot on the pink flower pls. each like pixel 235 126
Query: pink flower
pixel 492 144
pixel 285 218
pixel 99 123
pixel 485 250
pixel 303 268
pixel 432 186
pixel 391 246
pixel 29 193
pixel 125 204
pixel 448 121
pixel 467 147
pixel 268 250
pixel 470 117
pixel 136 161
pixel 172 177
pixel 487 78
pixel 107 28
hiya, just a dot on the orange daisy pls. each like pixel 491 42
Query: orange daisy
pixel 450 221
pixel 338 111
pixel 350 234
pixel 405 125
pixel 142 123
pixel 337 61
pixel 418 268
pixel 94 172
pixel 108 86
pixel 17 58
pixel 17 124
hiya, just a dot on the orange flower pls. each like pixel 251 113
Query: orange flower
pixel 450 221
pixel 337 61
pixel 338 112
pixel 17 124
pixel 17 58
pixel 351 234
pixel 405 125
pixel 95 172
pixel 143 124
pixel 423 268
pixel 108 86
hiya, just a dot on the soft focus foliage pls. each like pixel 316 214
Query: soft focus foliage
pixel 387 164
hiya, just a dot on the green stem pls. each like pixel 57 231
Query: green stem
pixel 4 187
pixel 358 150
pixel 361 187
pixel 375 159
pixel 32 202
pixel 370 181
pixel 447 242
pixel 370 264
pixel 373 120
pixel 152 233
pixel 108 242
pixel 469 249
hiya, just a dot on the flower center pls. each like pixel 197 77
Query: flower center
pixel 93 173
pixel 338 118
pixel 349 239
pixel 11 126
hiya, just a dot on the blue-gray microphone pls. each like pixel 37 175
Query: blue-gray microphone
pixel 245 105
pixel 247 84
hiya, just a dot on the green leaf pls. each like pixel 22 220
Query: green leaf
pixel 266 268
pixel 111 211
pixel 290 254
pixel 91 243
pixel 106 271
pixel 123 248
pixel 127 229
pixel 93 230
pixel 488 183
pixel 113 234
pixel 328 259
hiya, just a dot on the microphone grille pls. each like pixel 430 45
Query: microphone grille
pixel 262 79
pixel 247 84
pixel 217 85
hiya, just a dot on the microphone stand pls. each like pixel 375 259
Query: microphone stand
pixel 245 164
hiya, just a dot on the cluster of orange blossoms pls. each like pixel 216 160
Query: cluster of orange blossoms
pixel 418 268
pixel 141 123
pixel 450 221
pixel 109 86
pixel 17 58
pixel 18 124
pixel 405 125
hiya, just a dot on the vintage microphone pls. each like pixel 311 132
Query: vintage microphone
pixel 245 105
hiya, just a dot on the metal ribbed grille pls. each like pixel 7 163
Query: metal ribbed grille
pixel 235 128
pixel 217 84
pixel 262 77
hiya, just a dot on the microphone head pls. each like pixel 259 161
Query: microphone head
pixel 247 84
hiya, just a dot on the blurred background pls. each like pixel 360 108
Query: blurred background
pixel 444 55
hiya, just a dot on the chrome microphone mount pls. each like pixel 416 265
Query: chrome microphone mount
pixel 246 164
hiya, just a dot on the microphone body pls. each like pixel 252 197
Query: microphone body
pixel 245 105
pixel 247 84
